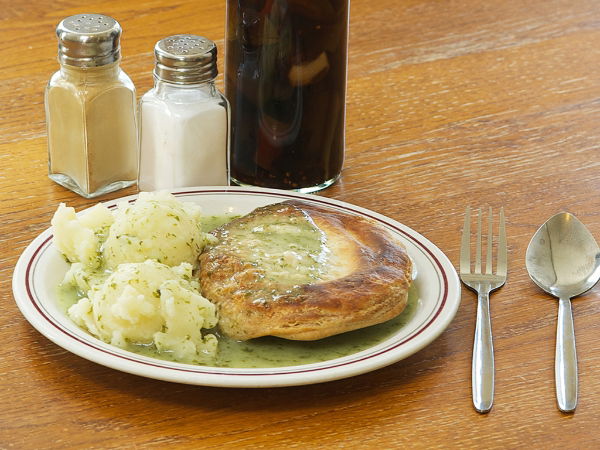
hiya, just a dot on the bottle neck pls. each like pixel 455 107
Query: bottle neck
pixel 108 72
pixel 165 89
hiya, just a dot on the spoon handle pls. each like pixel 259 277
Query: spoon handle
pixel 565 367
pixel 482 370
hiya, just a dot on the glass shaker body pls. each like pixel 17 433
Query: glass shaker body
pixel 285 78
pixel 184 136
pixel 92 134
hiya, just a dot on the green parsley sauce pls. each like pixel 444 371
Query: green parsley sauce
pixel 271 351
pixel 209 223
pixel 290 251
pixel 276 352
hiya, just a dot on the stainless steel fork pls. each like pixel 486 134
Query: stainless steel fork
pixel 483 282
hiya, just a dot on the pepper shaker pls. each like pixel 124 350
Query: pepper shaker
pixel 91 109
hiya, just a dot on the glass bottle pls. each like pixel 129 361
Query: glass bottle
pixel 90 109
pixel 285 78
pixel 184 118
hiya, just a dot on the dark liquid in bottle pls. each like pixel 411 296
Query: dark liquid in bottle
pixel 286 82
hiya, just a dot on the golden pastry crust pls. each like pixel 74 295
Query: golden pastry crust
pixel 366 279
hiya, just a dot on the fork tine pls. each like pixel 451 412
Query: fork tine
pixel 488 260
pixel 502 257
pixel 478 245
pixel 465 245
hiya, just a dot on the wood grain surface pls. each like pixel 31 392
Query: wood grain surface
pixel 450 103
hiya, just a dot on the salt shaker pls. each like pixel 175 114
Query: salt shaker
pixel 91 109
pixel 184 118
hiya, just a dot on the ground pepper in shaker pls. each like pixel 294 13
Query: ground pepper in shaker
pixel 184 118
pixel 91 109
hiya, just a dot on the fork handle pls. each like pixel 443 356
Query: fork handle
pixel 565 363
pixel 482 371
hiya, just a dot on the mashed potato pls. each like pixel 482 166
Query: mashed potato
pixel 150 303
pixel 79 238
pixel 83 279
pixel 157 226
pixel 133 273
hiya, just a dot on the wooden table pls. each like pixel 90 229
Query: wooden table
pixel 450 104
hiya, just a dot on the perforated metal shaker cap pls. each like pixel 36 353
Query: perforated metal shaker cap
pixel 185 59
pixel 88 40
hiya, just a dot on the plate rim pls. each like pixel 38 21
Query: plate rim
pixel 350 365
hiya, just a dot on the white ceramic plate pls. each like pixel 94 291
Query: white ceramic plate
pixel 40 269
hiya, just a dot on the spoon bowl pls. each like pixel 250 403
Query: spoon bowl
pixel 563 259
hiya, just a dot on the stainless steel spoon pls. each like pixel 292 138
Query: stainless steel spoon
pixel 563 259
